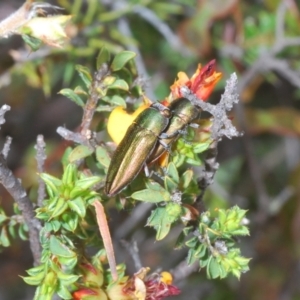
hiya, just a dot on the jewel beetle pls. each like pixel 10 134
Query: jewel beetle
pixel 135 148
pixel 183 114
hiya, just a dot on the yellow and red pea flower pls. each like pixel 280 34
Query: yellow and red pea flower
pixel 201 83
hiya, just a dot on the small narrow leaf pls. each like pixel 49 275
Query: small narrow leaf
pixel 151 196
pixel 121 59
pixel 186 178
pixel 87 182
pixel 85 75
pixel 59 249
pixel 103 156
pixel 103 57
pixel 32 42
pixel 72 96
pixel 119 84
pixel 60 207
pixel 80 152
pixel 78 206
pixel 4 240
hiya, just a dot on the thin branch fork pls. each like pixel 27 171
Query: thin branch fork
pixel 14 187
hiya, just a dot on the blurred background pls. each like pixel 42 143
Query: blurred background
pixel 259 40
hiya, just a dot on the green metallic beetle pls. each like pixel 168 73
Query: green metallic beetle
pixel 136 146
pixel 184 113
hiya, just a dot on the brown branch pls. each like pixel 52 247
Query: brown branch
pixel 14 187
pixel 40 158
pixel 91 104
pixel 6 146
pixel 133 251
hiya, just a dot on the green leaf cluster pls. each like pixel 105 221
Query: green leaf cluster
pixel 113 82
pixel 65 215
pixel 12 227
pixel 212 244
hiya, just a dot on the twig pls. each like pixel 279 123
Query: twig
pixel 207 177
pixel 3 110
pixel 6 146
pixel 70 135
pixel 91 104
pixel 133 250
pixel 172 39
pixel 40 158
pixel 183 270
pixel 221 126
pixel 14 187
pixel 266 62
pixel 138 214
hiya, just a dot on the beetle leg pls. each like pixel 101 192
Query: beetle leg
pixel 164 135
pixel 159 106
pixel 167 148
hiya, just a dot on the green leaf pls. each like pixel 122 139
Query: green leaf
pixel 173 211
pixel 160 222
pixel 70 222
pixel 60 207
pixel 80 91
pixel 151 196
pixel 52 183
pixel 115 100
pixel 55 225
pixel 213 268
pixel 121 59
pixel 63 292
pixel 80 152
pixel 193 162
pixel 72 96
pixel 152 185
pixel 3 218
pixel 76 192
pixel 67 279
pixel 172 172
pixel 103 57
pixel 201 147
pixel 201 251
pixel 34 280
pixel 180 241
pixel 191 258
pixel 119 84
pixel 78 206
pixel 12 229
pixel 59 249
pixel 32 42
pixel 192 242
pixel 170 185
pixel 70 175
pixel 103 156
pixel 186 178
pixel 87 182
pixel 4 240
pixel 85 75
pixel 69 262
pixel 22 232
pixel 36 270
